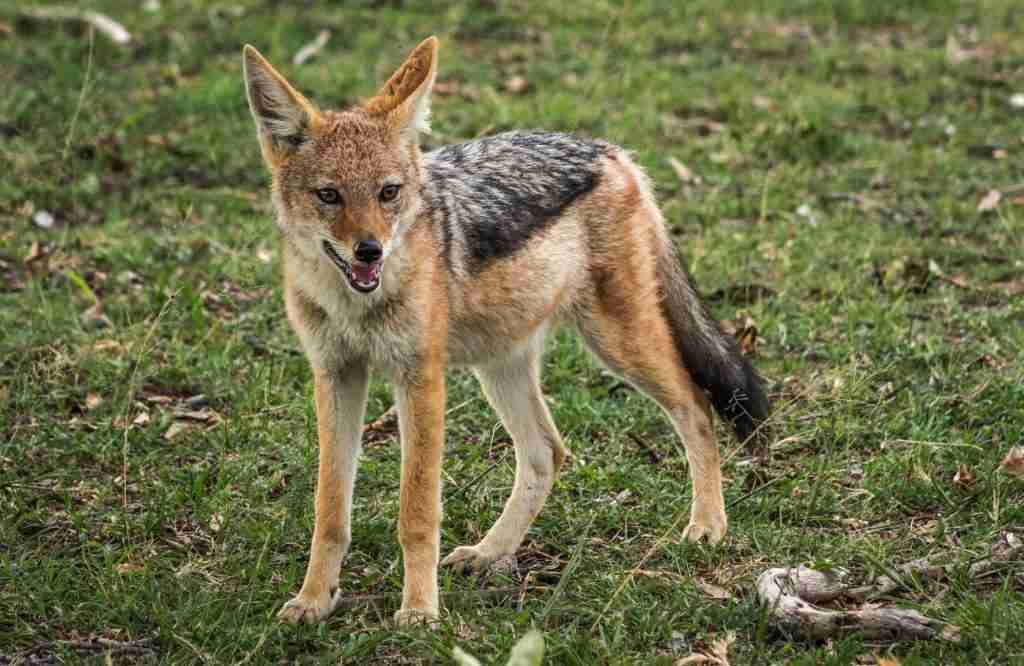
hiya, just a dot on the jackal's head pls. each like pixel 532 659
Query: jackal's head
pixel 346 184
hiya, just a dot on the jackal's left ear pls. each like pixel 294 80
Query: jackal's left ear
pixel 405 98
pixel 283 115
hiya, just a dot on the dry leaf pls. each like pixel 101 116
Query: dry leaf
pixel 314 47
pixel 93 400
pixel 1013 463
pixel 202 415
pixel 445 88
pixel 176 429
pixel 990 201
pixel 1011 287
pixel 128 568
pixel 712 590
pixel 763 103
pixel 386 422
pixel 718 655
pixel 745 332
pixel 93 317
pixel 35 253
pixel 956 54
pixel 516 84
pixel 107 345
pixel 748 341
pixel 683 172
pixel 888 661
pixel 806 212
pixel 964 476
pixel 141 419
pixel 959 280
pixel 43 219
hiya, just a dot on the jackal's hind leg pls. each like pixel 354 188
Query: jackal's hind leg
pixel 513 389
pixel 629 333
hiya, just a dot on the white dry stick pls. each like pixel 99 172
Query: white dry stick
pixel 683 172
pixel 990 201
pixel 311 49
pixel 104 24
pixel 783 590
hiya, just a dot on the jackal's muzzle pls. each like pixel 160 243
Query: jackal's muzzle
pixel 362 276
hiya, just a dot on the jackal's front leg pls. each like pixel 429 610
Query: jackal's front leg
pixel 420 398
pixel 513 388
pixel 340 406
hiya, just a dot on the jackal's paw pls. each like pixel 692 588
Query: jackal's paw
pixel 708 528
pixel 412 616
pixel 478 559
pixel 308 609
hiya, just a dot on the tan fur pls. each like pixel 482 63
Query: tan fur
pixel 406 87
pixel 595 269
pixel 254 61
pixel 626 328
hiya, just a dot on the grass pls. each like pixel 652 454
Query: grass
pixel 842 151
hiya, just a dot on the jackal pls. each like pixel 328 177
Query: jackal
pixel 407 262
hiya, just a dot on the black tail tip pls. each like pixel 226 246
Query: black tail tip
pixel 747 408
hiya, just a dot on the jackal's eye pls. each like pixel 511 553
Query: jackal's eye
pixel 389 192
pixel 328 195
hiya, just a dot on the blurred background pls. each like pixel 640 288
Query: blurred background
pixel 844 180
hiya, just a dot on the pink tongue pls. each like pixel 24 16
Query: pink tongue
pixel 365 272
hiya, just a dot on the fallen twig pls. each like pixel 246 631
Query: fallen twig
pixel 790 592
pixel 310 50
pixel 104 24
pixel 783 589
pixel 655 455
pixel 383 427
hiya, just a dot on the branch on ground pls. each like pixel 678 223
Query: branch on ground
pixel 791 593
pixel 100 22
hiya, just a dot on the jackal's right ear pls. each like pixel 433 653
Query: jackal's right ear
pixel 405 98
pixel 283 116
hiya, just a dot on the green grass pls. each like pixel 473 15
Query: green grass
pixel 842 156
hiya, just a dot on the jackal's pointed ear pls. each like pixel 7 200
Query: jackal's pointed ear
pixel 283 116
pixel 405 98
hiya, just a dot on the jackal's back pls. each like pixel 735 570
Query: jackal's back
pixel 490 196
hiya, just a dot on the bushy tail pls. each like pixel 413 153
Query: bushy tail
pixel 712 358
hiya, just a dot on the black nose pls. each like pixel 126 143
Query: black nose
pixel 368 251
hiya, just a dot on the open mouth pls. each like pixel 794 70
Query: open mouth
pixel 364 278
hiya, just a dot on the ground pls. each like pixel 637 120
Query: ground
pixel 848 182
